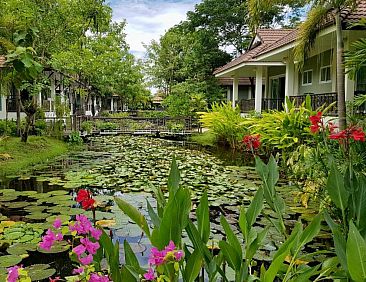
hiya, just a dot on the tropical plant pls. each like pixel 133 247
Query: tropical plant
pixel 225 122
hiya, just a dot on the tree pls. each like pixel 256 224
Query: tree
pixel 229 21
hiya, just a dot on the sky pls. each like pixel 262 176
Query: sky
pixel 149 19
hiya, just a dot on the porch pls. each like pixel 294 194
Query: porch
pixel 316 100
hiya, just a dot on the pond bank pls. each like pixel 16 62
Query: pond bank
pixel 16 156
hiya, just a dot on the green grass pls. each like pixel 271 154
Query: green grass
pixel 16 156
pixel 205 139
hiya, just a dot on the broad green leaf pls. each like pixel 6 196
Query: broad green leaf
pixel 356 254
pixel 336 189
pixel 231 237
pixel 174 179
pixel 255 207
pixel 203 218
pixel 339 241
pixel 193 267
pixel 310 231
pixel 231 255
pixel 281 254
pixel 130 257
pixel 134 214
pixel 154 217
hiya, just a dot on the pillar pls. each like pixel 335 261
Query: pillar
pixel 289 79
pixel 112 102
pixel 235 91
pixel 258 89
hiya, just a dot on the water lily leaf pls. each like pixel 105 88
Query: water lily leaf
pixel 40 272
pixel 10 260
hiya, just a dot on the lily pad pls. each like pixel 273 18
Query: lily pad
pixel 10 260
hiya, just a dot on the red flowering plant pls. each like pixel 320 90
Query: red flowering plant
pixel 352 134
pixel 85 199
pixel 252 142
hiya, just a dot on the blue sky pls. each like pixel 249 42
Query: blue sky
pixel 149 19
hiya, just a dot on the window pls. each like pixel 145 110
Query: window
pixel 307 77
pixel 361 80
pixel 325 74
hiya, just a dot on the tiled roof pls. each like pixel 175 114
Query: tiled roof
pixel 229 81
pixel 268 37
pixel 272 39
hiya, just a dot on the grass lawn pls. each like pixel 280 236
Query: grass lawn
pixel 16 156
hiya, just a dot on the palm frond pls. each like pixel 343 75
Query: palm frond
pixel 307 33
pixel 355 58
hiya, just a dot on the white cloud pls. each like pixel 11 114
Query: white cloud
pixel 149 19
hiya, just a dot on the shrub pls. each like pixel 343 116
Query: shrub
pixel 87 126
pixel 102 125
pixel 8 127
pixel 175 126
pixel 75 139
pixel 225 122
pixel 40 127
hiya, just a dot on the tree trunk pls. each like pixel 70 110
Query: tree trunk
pixel 17 104
pixel 25 133
pixel 340 74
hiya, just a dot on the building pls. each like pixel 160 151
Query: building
pixel 269 61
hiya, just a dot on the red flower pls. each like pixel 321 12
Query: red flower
pixel 358 135
pixel 352 132
pixel 331 127
pixel 55 279
pixel 84 197
pixel 316 122
pixel 88 204
pixel 252 141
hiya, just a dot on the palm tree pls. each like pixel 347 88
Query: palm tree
pixel 321 11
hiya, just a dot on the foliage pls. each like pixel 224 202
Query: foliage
pixel 40 127
pixel 87 126
pixel 225 122
pixel 8 127
pixel 175 126
pixel 104 125
pixel 74 138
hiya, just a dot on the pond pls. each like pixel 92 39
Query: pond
pixel 130 168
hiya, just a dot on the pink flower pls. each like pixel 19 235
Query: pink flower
pixel 178 255
pixel 13 274
pixel 86 260
pixel 89 245
pixel 156 257
pixel 95 233
pixel 94 277
pixel 57 223
pixel 48 240
pixel 150 275
pixel 78 270
pixel 55 279
pixel 79 250
pixel 170 247
pixel 82 225
pixel 59 237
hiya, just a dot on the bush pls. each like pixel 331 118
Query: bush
pixel 102 125
pixel 175 126
pixel 87 126
pixel 8 127
pixel 75 139
pixel 40 127
pixel 225 123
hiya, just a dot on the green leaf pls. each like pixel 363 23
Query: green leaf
pixel 134 214
pixel 174 178
pixel 193 266
pixel 356 254
pixel 310 231
pixel 255 207
pixel 281 254
pixel 339 241
pixel 231 255
pixel 231 237
pixel 203 218
pixel 130 257
pixel 154 217
pixel 336 189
